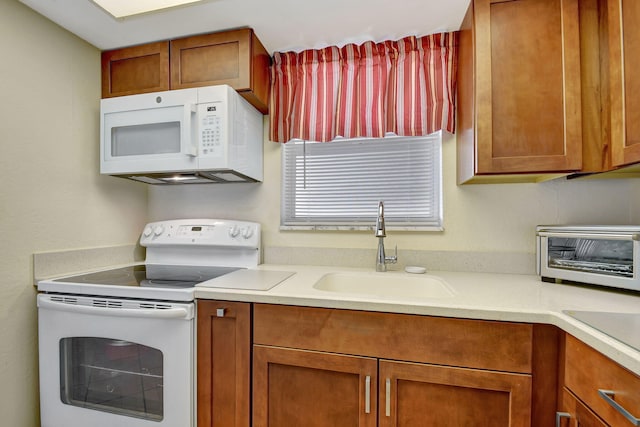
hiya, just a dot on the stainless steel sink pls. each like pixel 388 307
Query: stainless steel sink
pixel 386 285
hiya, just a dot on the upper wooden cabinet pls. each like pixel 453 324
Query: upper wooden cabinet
pixel 519 90
pixel 236 58
pixel 137 69
pixel 624 63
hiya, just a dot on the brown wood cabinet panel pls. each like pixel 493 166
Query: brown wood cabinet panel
pixel 236 58
pixel 459 342
pixel 137 69
pixel 545 381
pixel 577 414
pixel 587 371
pixel 521 111
pixel 312 389
pixel 596 147
pixel 223 365
pixel 415 395
pixel 624 62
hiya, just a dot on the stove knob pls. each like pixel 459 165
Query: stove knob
pixel 158 230
pixel 247 232
pixel 147 231
pixel 234 231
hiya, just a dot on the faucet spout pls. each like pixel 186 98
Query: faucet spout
pixel 381 259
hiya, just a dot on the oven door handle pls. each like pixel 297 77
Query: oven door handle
pixel 597 236
pixel 151 313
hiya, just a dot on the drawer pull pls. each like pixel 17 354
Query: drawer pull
pixel 367 394
pixel 560 416
pixel 608 395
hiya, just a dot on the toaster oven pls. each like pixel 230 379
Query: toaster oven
pixel 596 255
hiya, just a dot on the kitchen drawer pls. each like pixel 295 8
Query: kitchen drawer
pixel 500 346
pixel 587 371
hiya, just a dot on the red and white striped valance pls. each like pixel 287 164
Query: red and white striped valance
pixel 406 87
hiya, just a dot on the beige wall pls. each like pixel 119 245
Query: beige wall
pixel 477 218
pixel 51 194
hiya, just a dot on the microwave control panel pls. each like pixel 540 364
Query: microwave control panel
pixel 211 129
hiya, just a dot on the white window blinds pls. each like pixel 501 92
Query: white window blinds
pixel 338 185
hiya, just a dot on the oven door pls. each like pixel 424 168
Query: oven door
pixel 110 362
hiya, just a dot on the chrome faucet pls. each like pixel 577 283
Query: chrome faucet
pixel 381 259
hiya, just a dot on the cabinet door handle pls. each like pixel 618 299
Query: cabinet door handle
pixel 608 395
pixel 560 416
pixel 387 394
pixel 367 394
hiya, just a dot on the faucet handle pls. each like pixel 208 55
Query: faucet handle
pixel 392 259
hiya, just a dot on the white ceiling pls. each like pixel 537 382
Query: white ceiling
pixel 281 25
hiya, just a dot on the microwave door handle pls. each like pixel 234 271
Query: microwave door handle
pixel 189 147
pixel 602 236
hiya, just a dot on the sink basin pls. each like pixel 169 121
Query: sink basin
pixel 387 285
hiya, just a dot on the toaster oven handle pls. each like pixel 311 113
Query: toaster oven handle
pixel 166 313
pixel 600 236
pixel 188 142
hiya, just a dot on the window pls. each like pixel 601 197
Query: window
pixel 338 185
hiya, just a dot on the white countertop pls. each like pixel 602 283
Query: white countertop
pixel 485 296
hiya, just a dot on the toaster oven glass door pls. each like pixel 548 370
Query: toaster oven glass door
pixel 613 257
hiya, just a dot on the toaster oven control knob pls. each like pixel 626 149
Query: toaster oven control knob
pixel 234 231
pixel 158 230
pixel 247 232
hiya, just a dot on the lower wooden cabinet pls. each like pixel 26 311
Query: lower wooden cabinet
pixel 605 387
pixel 416 395
pixel 328 367
pixel 309 388
pixel 224 363
pixel 312 389
pixel 574 413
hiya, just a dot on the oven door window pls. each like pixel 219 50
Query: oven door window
pixel 600 256
pixel 112 375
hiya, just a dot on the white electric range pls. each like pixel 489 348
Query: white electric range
pixel 117 346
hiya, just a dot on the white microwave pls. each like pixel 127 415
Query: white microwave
pixel 596 255
pixel 198 135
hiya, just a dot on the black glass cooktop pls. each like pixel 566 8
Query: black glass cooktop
pixel 155 276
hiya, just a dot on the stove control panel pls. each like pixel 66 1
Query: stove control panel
pixel 201 232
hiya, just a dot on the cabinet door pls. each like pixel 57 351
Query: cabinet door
pixel 417 395
pixel 527 86
pixel 624 51
pixel 312 389
pixel 224 367
pixel 137 69
pixel 235 58
pixel 575 414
